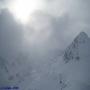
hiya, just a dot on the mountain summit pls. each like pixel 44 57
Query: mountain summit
pixel 81 42
pixel 81 38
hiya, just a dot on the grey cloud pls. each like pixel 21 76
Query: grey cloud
pixel 4 4
pixel 63 29
pixel 10 34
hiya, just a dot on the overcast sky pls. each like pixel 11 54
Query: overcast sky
pixel 49 32
pixel 55 26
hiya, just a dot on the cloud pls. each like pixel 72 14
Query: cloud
pixel 77 9
pixel 52 29
pixel 4 4
pixel 10 34
pixel 46 33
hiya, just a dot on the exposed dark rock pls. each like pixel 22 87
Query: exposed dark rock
pixel 72 52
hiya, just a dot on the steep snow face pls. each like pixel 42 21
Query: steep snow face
pixel 77 63
pixel 68 70
pixel 81 42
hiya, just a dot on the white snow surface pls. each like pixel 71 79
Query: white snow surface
pixel 67 70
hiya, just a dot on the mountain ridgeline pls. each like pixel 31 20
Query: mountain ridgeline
pixel 81 44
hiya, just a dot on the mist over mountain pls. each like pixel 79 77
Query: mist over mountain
pixel 68 70
pixel 55 61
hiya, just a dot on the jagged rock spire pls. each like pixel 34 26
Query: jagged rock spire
pixel 72 52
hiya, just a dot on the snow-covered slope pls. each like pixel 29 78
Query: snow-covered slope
pixel 77 63
pixel 68 70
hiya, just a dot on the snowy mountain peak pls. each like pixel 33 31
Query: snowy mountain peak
pixel 83 34
pixel 81 38
pixel 72 52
